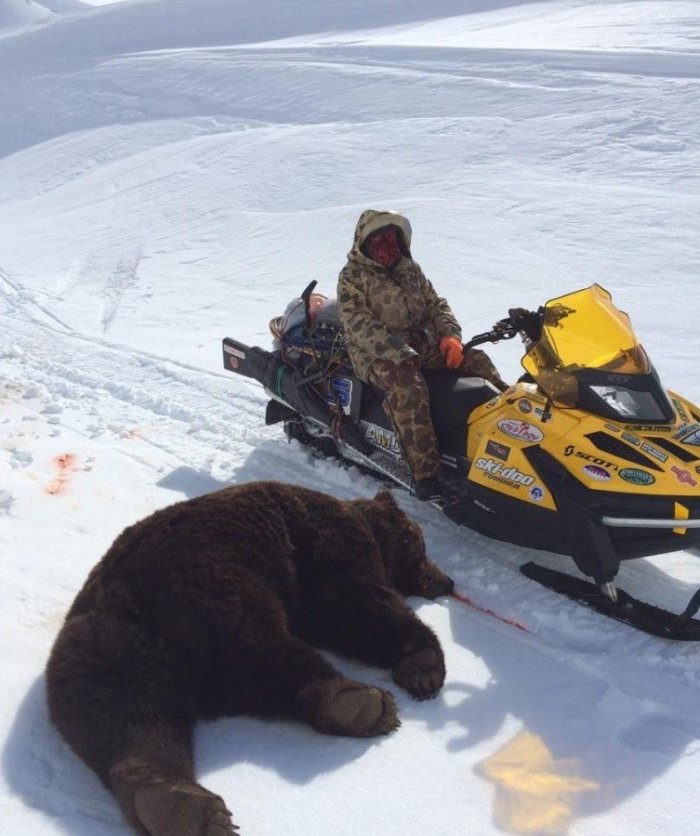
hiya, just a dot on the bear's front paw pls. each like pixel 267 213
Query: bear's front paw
pixel 342 706
pixel 421 673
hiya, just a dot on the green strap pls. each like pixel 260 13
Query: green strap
pixel 278 380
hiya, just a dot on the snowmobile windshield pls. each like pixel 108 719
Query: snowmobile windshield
pixel 584 333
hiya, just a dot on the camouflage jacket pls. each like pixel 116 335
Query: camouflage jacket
pixel 393 314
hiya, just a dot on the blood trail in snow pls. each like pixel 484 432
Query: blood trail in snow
pixel 65 465
pixel 465 599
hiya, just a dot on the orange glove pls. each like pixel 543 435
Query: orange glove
pixel 451 350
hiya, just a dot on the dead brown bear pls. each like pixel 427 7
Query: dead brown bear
pixel 210 607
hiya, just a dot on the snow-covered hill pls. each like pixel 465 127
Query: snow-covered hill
pixel 173 171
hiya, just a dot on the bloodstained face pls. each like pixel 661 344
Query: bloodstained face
pixel 383 246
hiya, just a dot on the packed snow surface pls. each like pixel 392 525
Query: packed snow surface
pixel 173 172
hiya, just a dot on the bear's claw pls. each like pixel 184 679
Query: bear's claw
pixel 185 809
pixel 421 673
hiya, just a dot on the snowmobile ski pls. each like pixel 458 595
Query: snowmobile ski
pixel 639 614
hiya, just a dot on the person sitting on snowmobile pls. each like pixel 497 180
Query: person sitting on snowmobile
pixel 395 325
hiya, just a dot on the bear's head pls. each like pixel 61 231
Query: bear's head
pixel 403 549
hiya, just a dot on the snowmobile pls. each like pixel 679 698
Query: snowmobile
pixel 586 455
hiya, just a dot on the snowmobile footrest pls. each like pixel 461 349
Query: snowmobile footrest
pixel 629 610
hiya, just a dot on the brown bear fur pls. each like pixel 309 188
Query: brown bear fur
pixel 211 607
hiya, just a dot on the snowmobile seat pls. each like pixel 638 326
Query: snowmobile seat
pixel 372 408
pixel 452 398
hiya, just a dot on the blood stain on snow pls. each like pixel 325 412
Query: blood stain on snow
pixel 65 465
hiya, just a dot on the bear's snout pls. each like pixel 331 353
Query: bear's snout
pixel 428 581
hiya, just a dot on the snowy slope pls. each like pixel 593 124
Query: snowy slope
pixel 17 13
pixel 173 171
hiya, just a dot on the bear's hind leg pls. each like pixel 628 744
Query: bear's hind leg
pixel 115 697
pixel 157 791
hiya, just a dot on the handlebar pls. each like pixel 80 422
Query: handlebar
pixel 504 329
pixel 520 321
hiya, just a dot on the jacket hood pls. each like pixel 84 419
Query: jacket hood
pixel 373 219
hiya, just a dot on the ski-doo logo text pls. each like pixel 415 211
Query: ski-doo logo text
pixel 520 430
pixel 510 475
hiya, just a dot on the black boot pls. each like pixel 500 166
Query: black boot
pixel 426 489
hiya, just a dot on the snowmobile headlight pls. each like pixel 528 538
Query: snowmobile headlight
pixel 628 403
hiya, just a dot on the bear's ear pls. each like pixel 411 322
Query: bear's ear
pixel 386 498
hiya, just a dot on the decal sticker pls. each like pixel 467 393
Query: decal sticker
pixel 229 349
pixel 596 460
pixel 520 430
pixel 524 405
pixel 636 476
pixel 612 427
pixel 631 439
pixel 383 439
pixel 495 448
pixel 655 452
pixel 341 393
pixel 685 477
pixel 233 362
pixel 652 429
pixel 492 402
pixel 509 475
pixel 680 409
pixel 689 435
pixel 536 493
pixel 697 468
pixel 596 472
